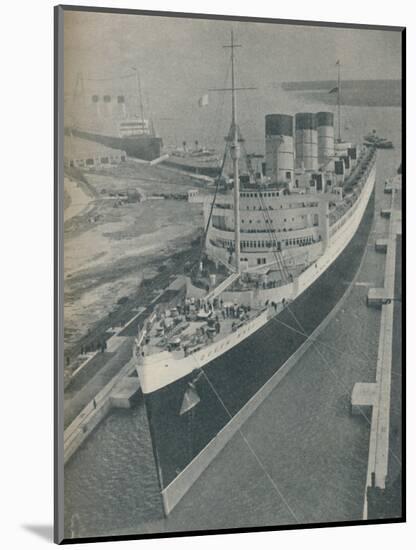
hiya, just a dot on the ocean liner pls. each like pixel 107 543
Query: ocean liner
pixel 279 251
pixel 107 119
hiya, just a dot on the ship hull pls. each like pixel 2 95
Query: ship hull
pixel 207 170
pixel 141 147
pixel 234 379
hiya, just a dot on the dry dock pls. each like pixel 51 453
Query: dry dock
pixel 308 442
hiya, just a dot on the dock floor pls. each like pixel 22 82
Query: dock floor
pixel 384 458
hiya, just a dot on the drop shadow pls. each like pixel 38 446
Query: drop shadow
pixel 43 531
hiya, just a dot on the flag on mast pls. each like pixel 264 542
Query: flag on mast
pixel 203 101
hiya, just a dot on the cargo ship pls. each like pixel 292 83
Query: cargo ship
pixel 279 251
pixel 109 119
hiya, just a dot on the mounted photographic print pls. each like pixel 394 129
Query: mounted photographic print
pixel 228 253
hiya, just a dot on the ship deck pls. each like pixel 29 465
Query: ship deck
pixel 186 332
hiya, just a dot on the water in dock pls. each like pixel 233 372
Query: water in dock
pixel 304 436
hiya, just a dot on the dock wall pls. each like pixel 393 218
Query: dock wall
pixel 96 410
pixel 379 447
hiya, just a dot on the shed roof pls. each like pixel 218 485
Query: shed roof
pixel 83 148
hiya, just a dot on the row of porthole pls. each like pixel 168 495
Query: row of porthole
pixel 223 346
pixel 288 205
pixel 210 352
pixel 347 215
pixel 220 347
pixel 350 211
pixel 215 350
pixel 270 221
pixel 338 230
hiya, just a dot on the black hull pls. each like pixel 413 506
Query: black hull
pixel 141 147
pixel 237 375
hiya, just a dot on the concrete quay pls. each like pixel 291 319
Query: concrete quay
pixel 117 393
pixel 364 395
pixel 391 184
pixel 113 343
pixel 377 297
pixel 381 245
pixel 123 387
pixel 376 396
pixel 124 391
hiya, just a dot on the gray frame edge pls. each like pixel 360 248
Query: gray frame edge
pixel 58 265
pixel 225 17
pixel 58 524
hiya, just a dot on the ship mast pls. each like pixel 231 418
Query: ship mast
pixel 339 100
pixel 233 137
pixel 235 155
pixel 139 92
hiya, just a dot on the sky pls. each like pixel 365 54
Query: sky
pixel 180 59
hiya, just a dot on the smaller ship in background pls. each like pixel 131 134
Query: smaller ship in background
pixel 373 140
pixel 209 162
pixel 197 160
pixel 111 120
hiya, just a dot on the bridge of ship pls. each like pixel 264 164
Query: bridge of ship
pixel 274 274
